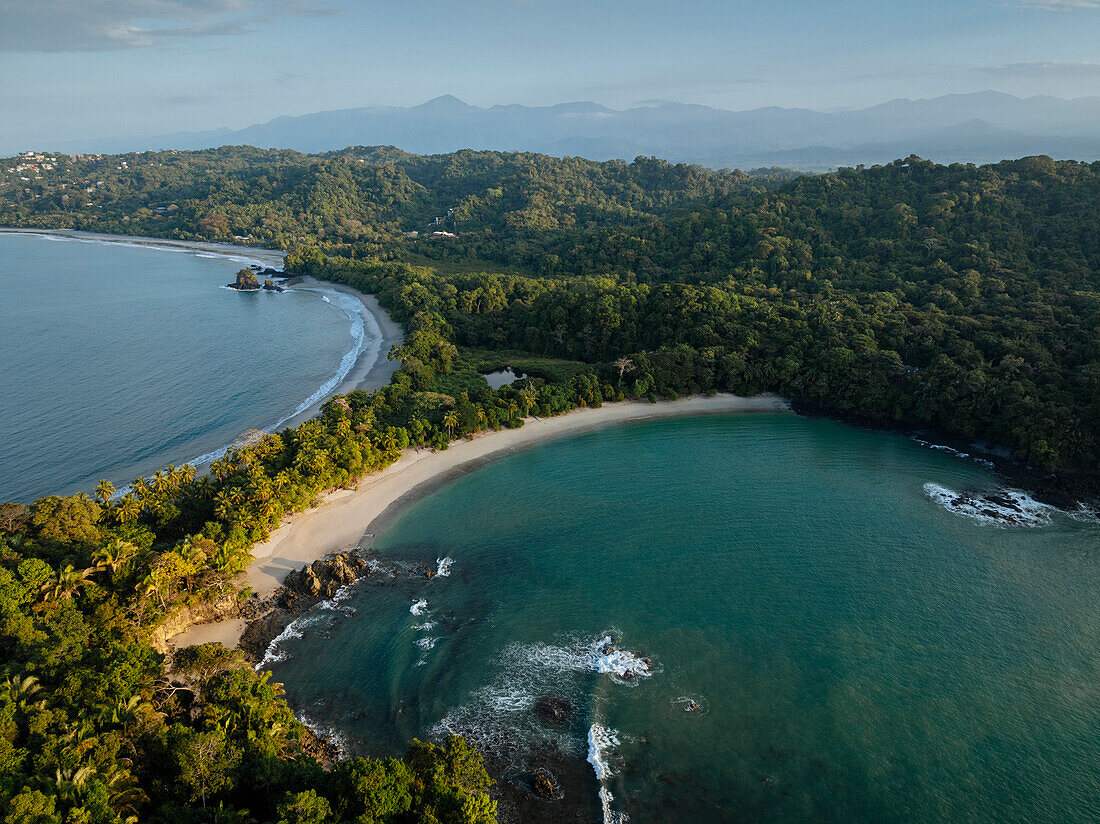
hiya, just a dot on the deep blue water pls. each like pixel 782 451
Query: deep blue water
pixel 118 360
pixel 856 651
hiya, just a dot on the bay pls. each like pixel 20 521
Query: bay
pixel 826 641
pixel 121 359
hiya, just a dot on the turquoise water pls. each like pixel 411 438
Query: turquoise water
pixel 856 652
pixel 121 359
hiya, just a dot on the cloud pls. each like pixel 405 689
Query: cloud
pixel 1058 5
pixel 106 25
pixel 1043 69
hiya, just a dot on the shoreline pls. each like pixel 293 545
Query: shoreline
pixel 269 257
pixel 344 517
pixel 371 370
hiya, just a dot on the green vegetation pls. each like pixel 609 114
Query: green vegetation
pixel 960 297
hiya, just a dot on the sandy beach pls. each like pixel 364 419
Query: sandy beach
pixel 373 369
pixel 346 516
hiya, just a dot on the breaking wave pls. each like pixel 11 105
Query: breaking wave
pixel 1004 507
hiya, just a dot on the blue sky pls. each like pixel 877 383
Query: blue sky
pixel 123 68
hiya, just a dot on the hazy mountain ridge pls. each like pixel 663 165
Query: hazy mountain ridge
pixel 978 127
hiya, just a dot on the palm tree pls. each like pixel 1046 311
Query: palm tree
pixel 104 491
pixel 128 509
pixel 22 692
pixel 450 421
pixel 67 581
pixel 528 398
pixel 513 409
pixel 114 556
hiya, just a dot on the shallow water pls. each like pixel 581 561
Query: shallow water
pixel 121 359
pixel 826 641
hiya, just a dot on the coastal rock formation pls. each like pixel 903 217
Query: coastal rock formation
pixel 246 281
pixel 543 786
pixel 269 286
pixel 222 607
pixel 321 579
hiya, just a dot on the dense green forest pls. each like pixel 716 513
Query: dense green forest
pixel 958 297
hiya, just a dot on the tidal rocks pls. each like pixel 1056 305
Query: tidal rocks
pixel 269 286
pixel 246 281
pixel 321 579
pixel 543 786
pixel 554 712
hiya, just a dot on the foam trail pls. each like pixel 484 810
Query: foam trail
pixel 443 568
pixel 600 740
pixel 419 608
pixel 293 630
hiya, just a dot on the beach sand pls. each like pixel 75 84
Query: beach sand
pixel 345 516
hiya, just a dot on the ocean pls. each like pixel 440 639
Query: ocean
pixel 121 359
pixel 756 617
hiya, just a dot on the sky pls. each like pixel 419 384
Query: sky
pixel 73 69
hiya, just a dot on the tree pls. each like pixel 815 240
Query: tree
pixel 304 808
pixel 205 762
pixel 104 491
pixel 624 365
pixel 13 516
pixel 450 421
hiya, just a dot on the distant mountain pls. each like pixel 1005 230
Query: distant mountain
pixel 978 127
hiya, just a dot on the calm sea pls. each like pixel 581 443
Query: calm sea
pixel 118 360
pixel 827 643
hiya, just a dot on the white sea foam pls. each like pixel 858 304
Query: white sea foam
pixel 1005 507
pixel 330 734
pixel 427 643
pixel 1085 512
pixel 601 740
pixel 427 626
pixel 443 567
pixel 353 308
pixel 939 447
pixel 342 594
pixel 419 608
pixel 292 630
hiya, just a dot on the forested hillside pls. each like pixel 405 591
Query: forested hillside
pixel 958 297
pixel 361 198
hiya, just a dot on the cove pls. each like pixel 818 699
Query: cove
pixel 825 640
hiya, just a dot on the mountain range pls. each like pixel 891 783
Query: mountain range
pixel 979 127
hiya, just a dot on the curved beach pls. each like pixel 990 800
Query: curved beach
pixel 371 370
pixel 345 516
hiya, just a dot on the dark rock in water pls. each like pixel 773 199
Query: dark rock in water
pixel 246 281
pixel 269 286
pixel 321 579
pixel 543 786
pixel 554 712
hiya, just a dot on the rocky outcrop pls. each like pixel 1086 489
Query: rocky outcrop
pixel 225 606
pixel 321 579
pixel 246 281
pixel 269 286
